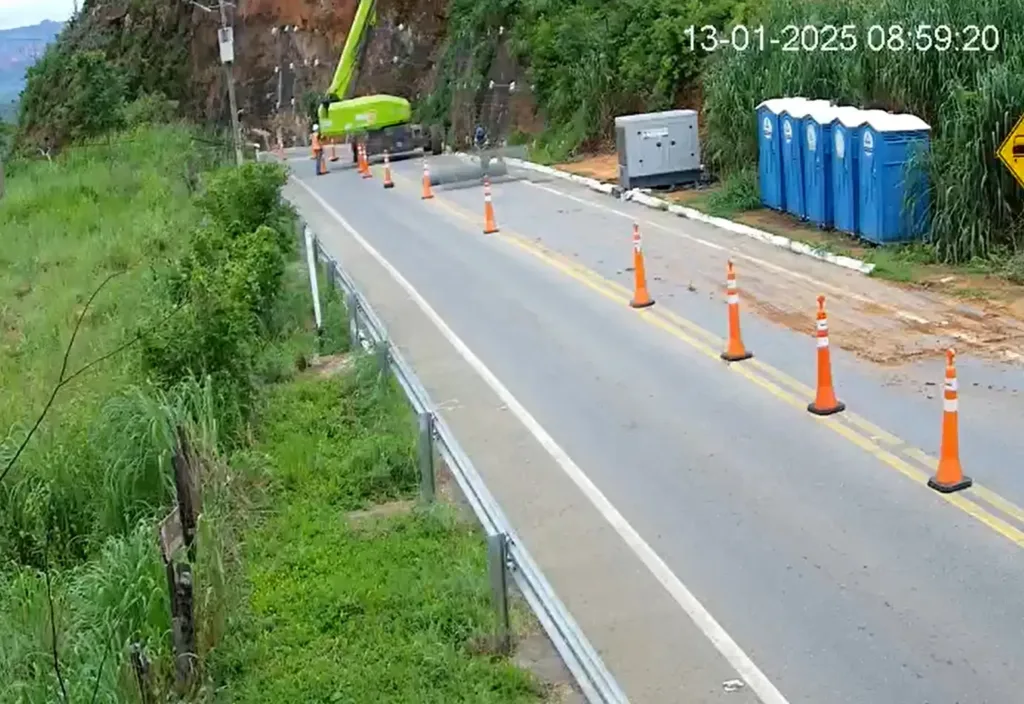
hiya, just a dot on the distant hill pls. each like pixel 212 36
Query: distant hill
pixel 19 49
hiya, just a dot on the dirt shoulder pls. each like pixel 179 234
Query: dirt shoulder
pixel 905 310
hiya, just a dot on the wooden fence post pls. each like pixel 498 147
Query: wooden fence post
pixel 140 664
pixel 183 627
pixel 186 485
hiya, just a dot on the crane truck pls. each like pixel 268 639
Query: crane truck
pixel 381 122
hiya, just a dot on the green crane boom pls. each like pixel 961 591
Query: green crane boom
pixel 365 15
pixel 381 121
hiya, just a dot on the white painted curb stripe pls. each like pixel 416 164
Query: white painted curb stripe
pixel 703 619
pixel 682 211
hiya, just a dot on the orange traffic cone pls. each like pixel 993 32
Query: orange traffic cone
pixel 734 349
pixel 641 296
pixel 359 159
pixel 427 192
pixel 490 226
pixel 388 183
pixel 334 151
pixel 825 402
pixel 366 164
pixel 949 476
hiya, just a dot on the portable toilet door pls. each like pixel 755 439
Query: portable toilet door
pixel 892 180
pixel 769 156
pixel 792 154
pixel 845 141
pixel 816 132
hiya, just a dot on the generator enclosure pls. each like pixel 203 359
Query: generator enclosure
pixel 658 149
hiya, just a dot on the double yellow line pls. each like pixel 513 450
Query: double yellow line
pixel 884 446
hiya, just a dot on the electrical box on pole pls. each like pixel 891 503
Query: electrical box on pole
pixel 226 38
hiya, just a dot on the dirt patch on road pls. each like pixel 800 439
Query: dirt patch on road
pixel 909 311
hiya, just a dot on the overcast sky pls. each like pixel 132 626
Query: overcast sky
pixel 21 13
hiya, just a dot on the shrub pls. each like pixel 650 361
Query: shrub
pixel 69 96
pixel 150 109
pixel 239 200
pixel 224 288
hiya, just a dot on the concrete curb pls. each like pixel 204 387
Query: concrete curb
pixel 692 214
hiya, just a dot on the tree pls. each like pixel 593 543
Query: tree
pixel 69 96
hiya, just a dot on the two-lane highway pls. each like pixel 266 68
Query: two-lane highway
pixel 842 580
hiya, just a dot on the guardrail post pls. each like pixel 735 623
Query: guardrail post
pixel 300 233
pixel 497 558
pixel 313 284
pixel 352 308
pixel 381 351
pixel 332 273
pixel 425 452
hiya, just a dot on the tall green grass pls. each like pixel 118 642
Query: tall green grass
pixel 335 609
pixel 81 504
pixel 971 100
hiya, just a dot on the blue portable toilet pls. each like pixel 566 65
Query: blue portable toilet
pixel 892 181
pixel 816 133
pixel 790 120
pixel 845 142
pixel 769 156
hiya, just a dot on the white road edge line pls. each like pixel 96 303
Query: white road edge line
pixel 741 255
pixel 723 642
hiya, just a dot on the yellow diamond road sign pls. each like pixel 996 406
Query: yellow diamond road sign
pixel 1011 151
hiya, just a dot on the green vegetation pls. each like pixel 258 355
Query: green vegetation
pixel 971 99
pixel 101 63
pixel 341 608
pixel 588 61
pixel 120 225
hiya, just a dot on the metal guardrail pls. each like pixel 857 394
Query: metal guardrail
pixel 506 553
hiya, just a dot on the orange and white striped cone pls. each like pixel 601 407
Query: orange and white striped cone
pixel 334 151
pixel 360 164
pixel 366 164
pixel 388 183
pixel 641 296
pixel 490 225
pixel 825 402
pixel 427 191
pixel 949 476
pixel 734 349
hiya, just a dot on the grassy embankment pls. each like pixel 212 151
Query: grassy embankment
pixel 210 284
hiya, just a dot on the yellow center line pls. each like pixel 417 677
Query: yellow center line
pixel 702 340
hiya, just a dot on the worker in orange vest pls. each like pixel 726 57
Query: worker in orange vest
pixel 318 150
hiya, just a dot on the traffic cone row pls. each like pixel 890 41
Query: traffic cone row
pixel 949 476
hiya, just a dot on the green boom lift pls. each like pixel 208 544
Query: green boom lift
pixel 380 121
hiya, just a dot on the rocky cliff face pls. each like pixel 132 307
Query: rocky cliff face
pixel 286 52
pixel 399 60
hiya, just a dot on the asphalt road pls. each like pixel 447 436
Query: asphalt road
pixel 813 543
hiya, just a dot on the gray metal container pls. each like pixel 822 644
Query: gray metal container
pixel 658 149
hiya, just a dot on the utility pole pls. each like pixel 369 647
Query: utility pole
pixel 227 57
